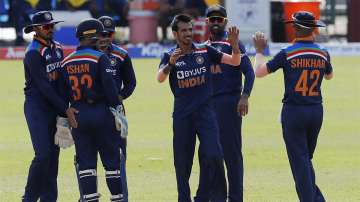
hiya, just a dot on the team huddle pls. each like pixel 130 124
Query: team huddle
pixel 79 100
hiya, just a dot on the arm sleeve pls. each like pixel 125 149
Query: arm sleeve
pixel 248 71
pixel 164 60
pixel 214 54
pixel 63 88
pixel 277 62
pixel 37 69
pixel 108 83
pixel 129 79
pixel 328 68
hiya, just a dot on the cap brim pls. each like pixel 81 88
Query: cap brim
pixel 215 11
pixel 318 23
pixel 29 28
pixel 109 29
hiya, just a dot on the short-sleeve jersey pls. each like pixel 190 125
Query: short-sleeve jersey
pixel 86 74
pixel 191 80
pixel 304 64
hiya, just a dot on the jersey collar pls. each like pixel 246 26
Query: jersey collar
pixel 43 42
pixel 308 39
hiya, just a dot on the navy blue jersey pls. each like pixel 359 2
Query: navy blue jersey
pixel 226 78
pixel 41 63
pixel 304 64
pixel 122 71
pixel 190 79
pixel 86 75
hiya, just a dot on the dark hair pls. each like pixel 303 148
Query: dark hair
pixel 179 18
pixel 302 31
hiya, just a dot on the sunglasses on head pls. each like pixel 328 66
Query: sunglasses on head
pixel 47 26
pixel 218 19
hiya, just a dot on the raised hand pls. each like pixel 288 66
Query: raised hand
pixel 233 37
pixel 260 42
pixel 175 56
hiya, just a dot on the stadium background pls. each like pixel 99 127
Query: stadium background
pixel 150 170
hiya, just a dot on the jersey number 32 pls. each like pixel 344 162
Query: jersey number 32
pixel 77 83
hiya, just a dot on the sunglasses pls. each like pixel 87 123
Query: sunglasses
pixel 47 26
pixel 218 19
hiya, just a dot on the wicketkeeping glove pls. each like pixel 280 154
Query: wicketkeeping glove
pixel 120 120
pixel 63 137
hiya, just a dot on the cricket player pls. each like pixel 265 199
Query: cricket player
pixel 42 105
pixel 230 99
pixel 304 64
pixel 93 91
pixel 123 73
pixel 188 67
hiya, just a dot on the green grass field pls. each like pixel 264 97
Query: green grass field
pixel 150 168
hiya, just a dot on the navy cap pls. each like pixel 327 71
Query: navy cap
pixel 305 19
pixel 216 8
pixel 89 28
pixel 40 18
pixel 108 23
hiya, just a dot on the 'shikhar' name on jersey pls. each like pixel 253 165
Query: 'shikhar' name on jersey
pixel 304 65
pixel 190 79
pixel 307 63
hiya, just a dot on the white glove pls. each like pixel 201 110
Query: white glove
pixel 63 137
pixel 120 120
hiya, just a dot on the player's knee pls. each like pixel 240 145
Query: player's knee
pixel 42 159
pixel 211 161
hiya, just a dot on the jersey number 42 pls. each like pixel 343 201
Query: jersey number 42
pixel 302 85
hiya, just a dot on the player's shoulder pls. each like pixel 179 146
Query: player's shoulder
pixel 58 45
pixel 299 48
pixel 119 49
pixel 170 50
pixel 83 55
pixel 201 47
pixel 34 46
pixel 119 52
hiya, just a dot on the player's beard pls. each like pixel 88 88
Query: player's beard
pixel 103 44
pixel 217 29
pixel 47 35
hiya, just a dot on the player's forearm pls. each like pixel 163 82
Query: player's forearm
pixel 164 72
pixel 260 65
pixel 127 90
pixel 249 81
pixel 234 59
